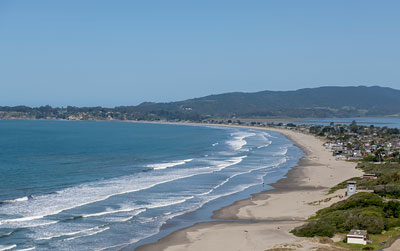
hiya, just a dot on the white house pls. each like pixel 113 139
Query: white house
pixel 357 237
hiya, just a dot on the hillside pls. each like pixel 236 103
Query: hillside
pixel 311 102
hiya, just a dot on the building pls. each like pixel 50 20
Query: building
pixel 351 188
pixel 357 237
pixel 369 176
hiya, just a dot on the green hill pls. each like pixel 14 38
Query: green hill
pixel 310 102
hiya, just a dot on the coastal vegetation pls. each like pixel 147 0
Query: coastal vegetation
pixel 386 182
pixel 360 211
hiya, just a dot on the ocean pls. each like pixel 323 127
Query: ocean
pixel 87 185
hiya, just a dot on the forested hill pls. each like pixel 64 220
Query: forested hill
pixel 310 102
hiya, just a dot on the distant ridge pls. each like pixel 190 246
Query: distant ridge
pixel 309 102
pixel 321 102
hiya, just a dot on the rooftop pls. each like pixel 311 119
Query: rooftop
pixel 358 232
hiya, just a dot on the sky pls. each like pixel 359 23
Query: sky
pixel 111 53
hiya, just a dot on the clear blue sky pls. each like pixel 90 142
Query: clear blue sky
pixel 109 53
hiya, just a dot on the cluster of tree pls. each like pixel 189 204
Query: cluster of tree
pixel 377 156
pixel 95 113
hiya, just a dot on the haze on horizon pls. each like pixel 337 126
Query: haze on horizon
pixel 90 53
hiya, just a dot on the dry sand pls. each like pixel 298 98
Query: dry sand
pixel 276 212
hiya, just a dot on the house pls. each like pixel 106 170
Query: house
pixel 357 237
pixel 369 176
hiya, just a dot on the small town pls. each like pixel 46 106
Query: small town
pixel 347 142
pixel 354 142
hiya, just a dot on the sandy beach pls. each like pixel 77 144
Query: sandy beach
pixel 269 216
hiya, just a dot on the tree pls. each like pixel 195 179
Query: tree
pixel 379 153
pixel 353 126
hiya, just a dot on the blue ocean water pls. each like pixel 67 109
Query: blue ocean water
pixel 108 185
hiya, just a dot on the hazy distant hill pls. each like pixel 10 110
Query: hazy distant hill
pixel 311 102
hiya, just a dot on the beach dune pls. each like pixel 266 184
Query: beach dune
pixel 263 221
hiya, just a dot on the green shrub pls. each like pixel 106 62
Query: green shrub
pixel 389 190
pixel 356 200
pixel 392 209
pixel 368 248
pixel 315 228
pixel 360 211
pixel 370 158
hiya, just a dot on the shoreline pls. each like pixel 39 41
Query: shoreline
pixel 274 211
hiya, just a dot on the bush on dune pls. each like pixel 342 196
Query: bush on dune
pixel 315 228
pixel 360 211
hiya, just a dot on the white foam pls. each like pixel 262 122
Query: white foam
pixel 238 188
pixel 231 162
pixel 114 212
pixel 2 247
pixel 125 219
pixel 6 234
pixel 35 223
pixel 29 218
pixel 160 166
pixel 238 140
pixel 265 136
pixel 89 234
pixel 282 152
pixel 70 198
pixel 25 222
pixel 214 197
pixel 265 145
pixel 241 173
pixel 69 233
pixel 153 204
pixel 269 135
pixel 150 219
pixel 26 249
pixel 16 200
pixel 157 204
pixel 87 195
